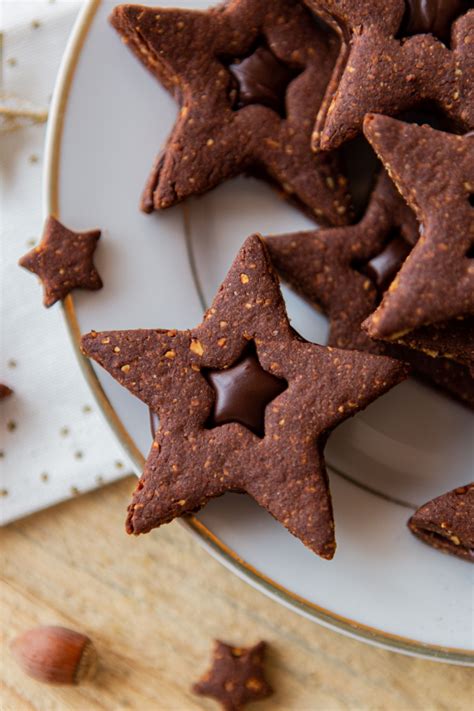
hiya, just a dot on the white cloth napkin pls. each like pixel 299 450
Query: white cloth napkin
pixel 54 443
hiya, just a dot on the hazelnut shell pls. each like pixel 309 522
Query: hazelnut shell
pixel 55 655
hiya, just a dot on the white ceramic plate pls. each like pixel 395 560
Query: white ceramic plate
pixel 109 119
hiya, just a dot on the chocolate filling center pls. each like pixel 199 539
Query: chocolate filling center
pixel 446 541
pixel 260 78
pixel 242 392
pixel 384 266
pixel 432 16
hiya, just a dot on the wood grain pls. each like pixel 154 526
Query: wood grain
pixel 153 605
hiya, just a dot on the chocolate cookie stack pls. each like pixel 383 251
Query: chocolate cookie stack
pixel 278 90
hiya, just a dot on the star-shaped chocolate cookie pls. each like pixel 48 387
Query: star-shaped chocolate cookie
pixel 280 462
pixel 395 57
pixel 447 522
pixel 249 77
pixel 345 270
pixel 236 677
pixel 434 171
pixel 63 260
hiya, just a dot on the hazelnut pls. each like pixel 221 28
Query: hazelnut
pixel 196 347
pixel 55 655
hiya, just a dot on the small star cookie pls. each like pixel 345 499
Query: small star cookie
pixel 236 677
pixel 63 261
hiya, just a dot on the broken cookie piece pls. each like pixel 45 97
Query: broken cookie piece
pixel 447 522
pixel 5 391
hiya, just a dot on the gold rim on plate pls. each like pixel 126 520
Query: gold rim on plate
pixel 217 547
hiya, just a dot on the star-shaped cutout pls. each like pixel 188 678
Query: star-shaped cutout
pixel 381 70
pixel 249 77
pixel 436 18
pixel 434 171
pixel 339 271
pixel 385 265
pixel 63 260
pixel 236 677
pixel 189 463
pixel 261 79
pixel 242 393
pixel 447 522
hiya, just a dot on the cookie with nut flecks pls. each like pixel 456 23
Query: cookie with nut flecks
pixel 434 172
pixel 244 404
pixel 450 340
pixel 344 271
pixel 447 522
pixel 396 56
pixel 249 77
pixel 236 677
pixel 63 261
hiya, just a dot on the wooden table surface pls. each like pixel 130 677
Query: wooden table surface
pixel 153 606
